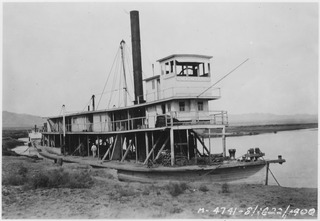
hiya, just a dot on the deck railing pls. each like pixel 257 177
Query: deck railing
pixel 193 118
pixel 164 120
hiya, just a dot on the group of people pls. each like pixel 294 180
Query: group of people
pixel 103 147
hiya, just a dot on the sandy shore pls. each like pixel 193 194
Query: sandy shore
pixel 109 198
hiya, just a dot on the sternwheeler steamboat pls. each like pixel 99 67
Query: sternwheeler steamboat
pixel 160 135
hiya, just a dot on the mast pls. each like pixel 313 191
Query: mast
pixel 124 74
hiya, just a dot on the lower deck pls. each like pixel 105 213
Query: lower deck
pixel 177 145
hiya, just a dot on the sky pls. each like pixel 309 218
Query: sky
pixel 63 53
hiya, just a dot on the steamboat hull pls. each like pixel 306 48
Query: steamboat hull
pixel 129 172
pixel 218 175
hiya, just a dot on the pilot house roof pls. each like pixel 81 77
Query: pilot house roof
pixel 189 56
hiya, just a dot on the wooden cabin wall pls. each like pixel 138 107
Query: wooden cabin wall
pixel 175 106
pixel 101 122
pixel 153 90
pixel 81 123
pixel 191 111
pixel 152 114
pixel 194 106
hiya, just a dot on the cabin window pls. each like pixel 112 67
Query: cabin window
pixel 167 68
pixel 169 107
pixel 204 69
pixel 200 106
pixel 178 68
pixel 74 120
pixel 100 117
pixel 171 66
pixel 182 106
pixel 153 84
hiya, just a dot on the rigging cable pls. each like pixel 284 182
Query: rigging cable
pixel 108 77
pixel 114 80
pixel 223 77
pixel 130 74
pixel 120 83
pixel 60 111
pixel 147 56
pixel 87 104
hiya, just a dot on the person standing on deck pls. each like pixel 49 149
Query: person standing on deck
pixel 94 150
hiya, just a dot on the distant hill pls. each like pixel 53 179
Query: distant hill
pixel 13 120
pixel 260 119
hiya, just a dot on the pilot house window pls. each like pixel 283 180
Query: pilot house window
pixel 182 106
pixel 193 69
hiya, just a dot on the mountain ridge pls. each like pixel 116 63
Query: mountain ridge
pixel 14 120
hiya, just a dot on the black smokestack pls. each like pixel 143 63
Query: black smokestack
pixel 136 57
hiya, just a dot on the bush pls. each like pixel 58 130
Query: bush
pixel 175 189
pixel 14 133
pixel 184 186
pixel 23 171
pixel 40 180
pixel 225 188
pixel 203 188
pixel 17 177
pixel 47 179
pixel 11 143
pixel 80 179
pixel 14 180
pixel 175 210
pixel 126 192
pixel 60 178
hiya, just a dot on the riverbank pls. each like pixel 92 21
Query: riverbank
pixel 103 196
pixel 261 129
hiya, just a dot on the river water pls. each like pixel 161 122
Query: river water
pixel 299 148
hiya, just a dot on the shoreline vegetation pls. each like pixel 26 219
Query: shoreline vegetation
pixel 34 188
pixel 269 128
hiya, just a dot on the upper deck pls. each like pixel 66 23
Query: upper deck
pixel 178 96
